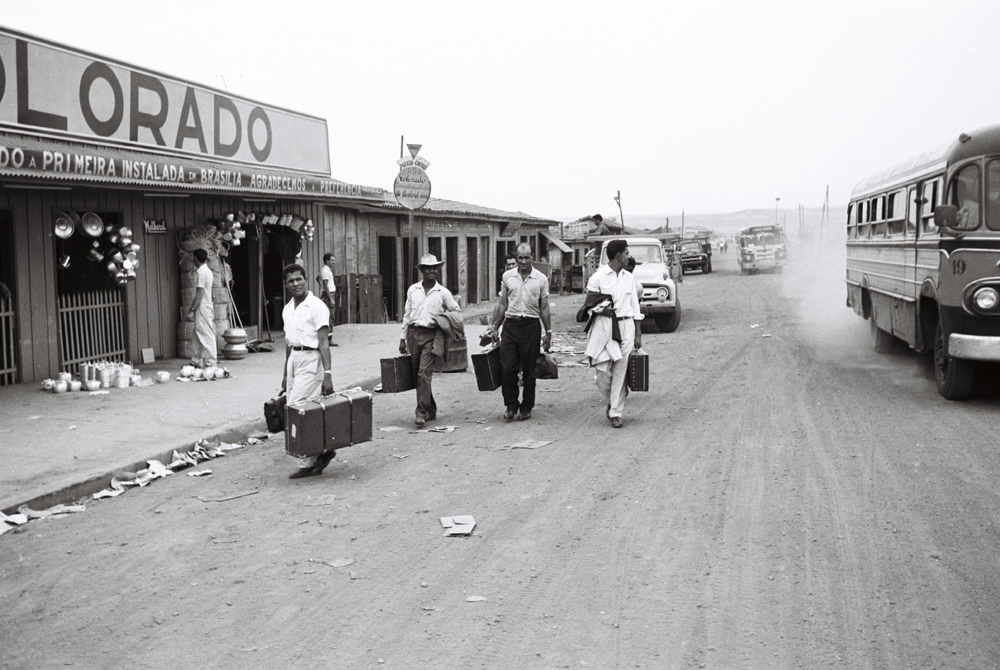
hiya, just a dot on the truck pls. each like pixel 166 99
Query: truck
pixel 659 297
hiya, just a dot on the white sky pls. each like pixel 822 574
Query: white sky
pixel 552 107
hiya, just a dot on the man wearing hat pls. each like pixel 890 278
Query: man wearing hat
pixel 425 301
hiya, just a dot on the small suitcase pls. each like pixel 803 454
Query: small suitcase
pixel 328 423
pixel 397 374
pixel 274 414
pixel 487 367
pixel 637 373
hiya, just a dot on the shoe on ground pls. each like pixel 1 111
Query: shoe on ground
pixel 419 421
pixel 616 422
pixel 334 344
pixel 509 414
pixel 523 416
pixel 305 472
pixel 322 461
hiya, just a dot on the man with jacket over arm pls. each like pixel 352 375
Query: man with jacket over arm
pixel 425 301
pixel 523 309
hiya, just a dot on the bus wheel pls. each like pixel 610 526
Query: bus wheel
pixel 953 375
pixel 882 341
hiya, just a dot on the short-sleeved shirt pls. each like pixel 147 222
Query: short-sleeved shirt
pixel 303 321
pixel 621 286
pixel 326 274
pixel 421 307
pixel 204 280
pixel 524 295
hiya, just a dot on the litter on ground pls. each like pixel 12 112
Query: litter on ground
pixel 530 444
pixel 458 525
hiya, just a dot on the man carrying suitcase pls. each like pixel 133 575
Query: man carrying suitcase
pixel 307 354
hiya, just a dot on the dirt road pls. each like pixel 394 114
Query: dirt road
pixel 782 498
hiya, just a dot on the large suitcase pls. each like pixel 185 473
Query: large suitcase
pixel 637 372
pixel 487 367
pixel 397 374
pixel 328 423
pixel 274 414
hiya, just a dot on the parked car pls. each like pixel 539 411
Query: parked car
pixel 694 257
pixel 659 297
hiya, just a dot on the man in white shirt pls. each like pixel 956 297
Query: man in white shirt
pixel 328 288
pixel 523 310
pixel 608 357
pixel 307 354
pixel 206 351
pixel 425 301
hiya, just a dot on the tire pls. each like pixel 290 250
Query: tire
pixel 668 323
pixel 708 266
pixel 882 342
pixel 953 375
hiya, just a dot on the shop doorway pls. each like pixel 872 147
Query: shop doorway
pixel 451 266
pixel 472 248
pixel 280 246
pixel 244 262
pixel 91 303
pixel 9 372
pixel 387 269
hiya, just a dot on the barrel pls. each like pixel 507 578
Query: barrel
pixel 233 351
pixel 458 356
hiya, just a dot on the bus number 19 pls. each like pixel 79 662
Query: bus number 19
pixel 958 266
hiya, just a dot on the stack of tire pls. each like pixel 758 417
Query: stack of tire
pixel 220 302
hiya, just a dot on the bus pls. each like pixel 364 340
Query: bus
pixel 761 248
pixel 923 257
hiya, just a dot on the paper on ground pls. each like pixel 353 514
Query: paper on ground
pixel 530 444
pixel 458 525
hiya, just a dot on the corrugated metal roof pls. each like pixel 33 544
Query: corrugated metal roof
pixel 442 206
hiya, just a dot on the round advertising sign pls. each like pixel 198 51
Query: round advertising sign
pixel 412 187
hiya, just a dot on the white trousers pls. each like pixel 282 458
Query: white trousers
pixel 612 382
pixel 206 352
pixel 303 381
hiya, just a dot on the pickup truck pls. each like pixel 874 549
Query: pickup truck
pixel 659 297
pixel 694 256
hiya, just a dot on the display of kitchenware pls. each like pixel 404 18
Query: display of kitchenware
pixel 91 224
pixel 95 255
pixel 48 384
pixel 64 225
pixel 75 385
pixel 162 376
pixel 61 386
pixel 92 385
pixel 65 376
pixel 64 261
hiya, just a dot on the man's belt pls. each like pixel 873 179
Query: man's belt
pixel 296 347
pixel 513 317
pixel 624 318
pixel 413 325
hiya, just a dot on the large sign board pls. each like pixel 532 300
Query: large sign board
pixel 56 91
pixel 412 187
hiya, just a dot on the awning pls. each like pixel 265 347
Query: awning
pixel 556 241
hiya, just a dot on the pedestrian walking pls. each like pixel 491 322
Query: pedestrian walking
pixel 611 295
pixel 425 302
pixel 206 348
pixel 328 289
pixel 307 354
pixel 523 310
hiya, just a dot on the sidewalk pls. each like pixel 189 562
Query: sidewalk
pixel 60 447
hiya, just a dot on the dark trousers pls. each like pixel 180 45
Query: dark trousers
pixel 519 347
pixel 420 343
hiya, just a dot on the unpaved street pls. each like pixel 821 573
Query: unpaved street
pixel 782 498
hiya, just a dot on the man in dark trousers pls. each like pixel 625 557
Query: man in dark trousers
pixel 523 309
pixel 425 301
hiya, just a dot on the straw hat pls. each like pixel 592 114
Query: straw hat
pixel 429 260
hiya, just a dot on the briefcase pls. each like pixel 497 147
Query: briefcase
pixel 397 374
pixel 637 372
pixel 274 414
pixel 487 367
pixel 304 428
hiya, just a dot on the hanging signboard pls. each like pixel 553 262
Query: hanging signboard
pixel 51 90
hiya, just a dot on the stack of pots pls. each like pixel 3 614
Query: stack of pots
pixel 220 303
pixel 236 344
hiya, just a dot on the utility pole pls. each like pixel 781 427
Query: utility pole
pixel 618 200
pixel 776 210
pixel 682 224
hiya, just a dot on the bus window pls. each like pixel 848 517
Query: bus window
pixel 993 195
pixel 864 216
pixel 878 207
pixel 895 212
pixel 852 229
pixel 965 193
pixel 931 193
pixel 911 212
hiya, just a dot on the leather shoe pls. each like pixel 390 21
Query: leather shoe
pixel 616 422
pixel 304 472
pixel 509 414
pixel 419 421
pixel 524 416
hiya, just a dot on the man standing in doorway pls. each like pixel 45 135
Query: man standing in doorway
pixel 307 354
pixel 523 309
pixel 206 351
pixel 618 305
pixel 328 289
pixel 425 301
